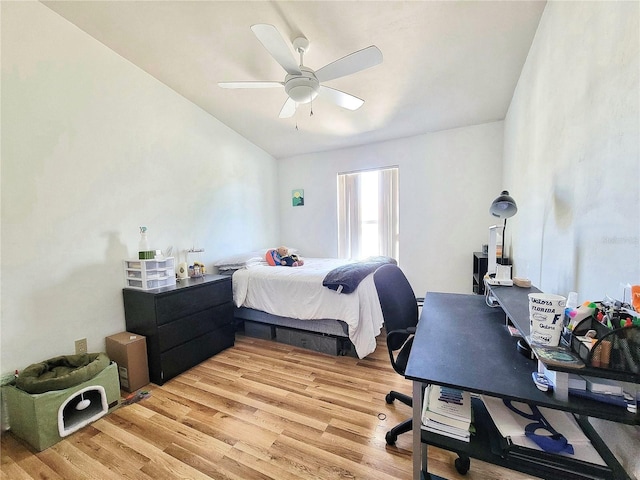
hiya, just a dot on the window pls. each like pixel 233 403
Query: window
pixel 368 213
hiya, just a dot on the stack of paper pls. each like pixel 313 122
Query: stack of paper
pixel 447 411
pixel 511 426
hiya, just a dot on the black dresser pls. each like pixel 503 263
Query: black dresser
pixel 184 323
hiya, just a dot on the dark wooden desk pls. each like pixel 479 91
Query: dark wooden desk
pixel 461 342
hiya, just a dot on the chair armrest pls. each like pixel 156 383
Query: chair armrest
pixel 402 331
pixel 400 342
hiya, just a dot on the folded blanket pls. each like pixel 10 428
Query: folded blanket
pixel 346 278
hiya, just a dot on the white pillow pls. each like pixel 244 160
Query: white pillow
pixel 241 259
pixel 249 263
pixel 244 259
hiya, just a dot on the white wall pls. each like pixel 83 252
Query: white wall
pixel 572 158
pixel 447 181
pixel 92 148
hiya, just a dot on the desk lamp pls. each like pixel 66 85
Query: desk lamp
pixel 505 207
pixel 502 207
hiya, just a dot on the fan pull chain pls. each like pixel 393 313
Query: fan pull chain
pixel 311 113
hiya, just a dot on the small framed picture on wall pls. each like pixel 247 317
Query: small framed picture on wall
pixel 297 197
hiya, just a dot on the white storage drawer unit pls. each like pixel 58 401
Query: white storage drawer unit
pixel 149 274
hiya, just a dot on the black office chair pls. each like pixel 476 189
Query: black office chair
pixel 400 312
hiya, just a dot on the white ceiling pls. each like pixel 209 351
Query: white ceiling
pixel 446 64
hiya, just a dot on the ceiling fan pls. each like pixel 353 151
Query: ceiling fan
pixel 301 83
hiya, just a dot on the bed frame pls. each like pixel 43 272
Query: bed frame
pixel 325 336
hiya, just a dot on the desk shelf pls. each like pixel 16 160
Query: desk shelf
pixel 514 303
pixel 486 443
pixel 462 343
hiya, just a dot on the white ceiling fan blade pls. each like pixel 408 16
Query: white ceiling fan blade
pixel 277 47
pixel 352 63
pixel 341 99
pixel 288 109
pixel 250 84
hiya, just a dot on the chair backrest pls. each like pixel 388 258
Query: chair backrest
pixel 398 302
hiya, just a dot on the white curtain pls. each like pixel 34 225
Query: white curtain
pixel 388 212
pixel 349 224
pixel 350 200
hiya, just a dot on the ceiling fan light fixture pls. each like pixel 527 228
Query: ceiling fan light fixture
pixel 302 94
pixel 302 89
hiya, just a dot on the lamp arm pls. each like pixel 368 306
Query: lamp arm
pixel 504 227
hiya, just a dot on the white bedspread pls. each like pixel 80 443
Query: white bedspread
pixel 297 292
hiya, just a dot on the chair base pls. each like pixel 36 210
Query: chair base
pixel 404 427
pixel 462 464
pixel 393 395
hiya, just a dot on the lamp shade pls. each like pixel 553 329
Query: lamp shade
pixel 504 206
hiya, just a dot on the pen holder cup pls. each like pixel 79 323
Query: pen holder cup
pixel 612 349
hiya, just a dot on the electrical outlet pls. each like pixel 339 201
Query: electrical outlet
pixel 81 346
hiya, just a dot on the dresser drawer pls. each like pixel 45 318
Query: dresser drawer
pixel 192 326
pixel 185 302
pixel 187 355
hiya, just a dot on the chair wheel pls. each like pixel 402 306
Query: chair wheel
pixel 388 398
pixel 390 438
pixel 462 465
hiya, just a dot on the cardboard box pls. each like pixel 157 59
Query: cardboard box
pixel 129 351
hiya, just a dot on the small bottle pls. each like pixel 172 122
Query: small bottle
pixel 572 300
pixel 143 246
pixel 570 309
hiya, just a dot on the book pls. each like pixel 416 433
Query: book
pixel 604 385
pixel 557 356
pixel 447 410
pixel 618 400
pixel 463 436
pixel 432 425
pixel 513 331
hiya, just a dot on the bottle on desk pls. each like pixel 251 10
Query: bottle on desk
pixel 144 252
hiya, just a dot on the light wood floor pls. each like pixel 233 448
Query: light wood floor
pixel 260 410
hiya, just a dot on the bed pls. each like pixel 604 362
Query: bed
pixel 291 304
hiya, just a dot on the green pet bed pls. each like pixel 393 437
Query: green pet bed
pixel 61 372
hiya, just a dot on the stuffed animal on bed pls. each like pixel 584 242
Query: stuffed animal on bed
pixel 281 257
